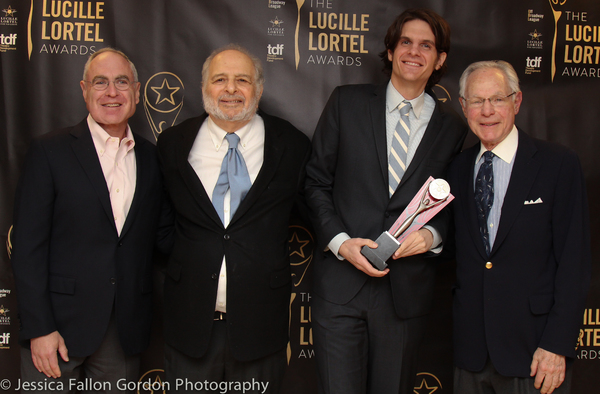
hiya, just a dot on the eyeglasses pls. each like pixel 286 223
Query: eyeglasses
pixel 496 101
pixel 102 83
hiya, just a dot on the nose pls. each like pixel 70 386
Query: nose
pixel 112 90
pixel 487 108
pixel 231 86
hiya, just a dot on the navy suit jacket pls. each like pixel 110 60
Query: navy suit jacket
pixel 255 244
pixel 347 191
pixel 534 293
pixel 71 267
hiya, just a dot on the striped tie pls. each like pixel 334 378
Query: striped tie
pixel 398 153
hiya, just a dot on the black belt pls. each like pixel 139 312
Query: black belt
pixel 220 315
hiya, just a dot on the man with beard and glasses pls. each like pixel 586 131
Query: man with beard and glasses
pixel 233 175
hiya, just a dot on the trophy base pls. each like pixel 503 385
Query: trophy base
pixel 386 246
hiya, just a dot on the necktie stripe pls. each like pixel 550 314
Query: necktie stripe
pixel 399 150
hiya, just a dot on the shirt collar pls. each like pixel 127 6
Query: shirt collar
pixel 393 98
pixel 217 134
pixel 506 149
pixel 101 137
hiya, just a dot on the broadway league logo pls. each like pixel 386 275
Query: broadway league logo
pixel 163 101
pixel 427 383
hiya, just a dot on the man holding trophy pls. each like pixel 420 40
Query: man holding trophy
pixel 375 148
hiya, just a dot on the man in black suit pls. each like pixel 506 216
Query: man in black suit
pixel 228 282
pixel 85 223
pixel 368 323
pixel 522 246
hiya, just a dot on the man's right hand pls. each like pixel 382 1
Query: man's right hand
pixel 43 353
pixel 350 250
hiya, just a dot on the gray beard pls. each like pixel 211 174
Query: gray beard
pixel 211 108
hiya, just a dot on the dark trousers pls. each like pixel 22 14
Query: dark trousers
pixel 218 371
pixel 108 370
pixel 489 381
pixel 363 346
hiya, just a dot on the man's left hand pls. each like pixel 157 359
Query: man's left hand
pixel 548 368
pixel 416 243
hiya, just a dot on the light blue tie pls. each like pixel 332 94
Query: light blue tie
pixel 233 176
pixel 399 151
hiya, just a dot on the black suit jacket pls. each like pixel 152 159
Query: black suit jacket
pixel 347 190
pixel 534 294
pixel 255 244
pixel 71 267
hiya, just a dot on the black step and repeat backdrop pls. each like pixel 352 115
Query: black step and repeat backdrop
pixel 308 47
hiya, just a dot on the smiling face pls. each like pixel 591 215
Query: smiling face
pixel 491 124
pixel 415 58
pixel 110 108
pixel 230 93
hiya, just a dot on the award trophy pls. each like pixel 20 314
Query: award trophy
pixel 433 196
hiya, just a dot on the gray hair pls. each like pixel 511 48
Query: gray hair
pixel 504 67
pixel 113 50
pixel 258 69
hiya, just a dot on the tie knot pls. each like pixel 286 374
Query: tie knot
pixel 404 107
pixel 488 156
pixel 233 140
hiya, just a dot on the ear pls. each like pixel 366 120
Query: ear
pixel 463 105
pixel 83 88
pixel 136 92
pixel 518 101
pixel 440 60
pixel 390 55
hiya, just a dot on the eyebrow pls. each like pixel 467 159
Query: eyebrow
pixel 411 39
pixel 105 77
pixel 236 76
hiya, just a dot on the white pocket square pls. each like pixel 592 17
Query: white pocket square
pixel 538 201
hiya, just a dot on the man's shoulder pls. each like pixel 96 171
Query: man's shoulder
pixel 548 151
pixel 361 89
pixel 193 123
pixel 287 130
pixel 62 135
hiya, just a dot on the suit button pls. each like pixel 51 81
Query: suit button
pixel 120 243
pixel 386 214
pixel 113 281
pixel 226 237
pixel 214 276
pixel 489 265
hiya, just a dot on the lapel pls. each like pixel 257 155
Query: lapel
pixel 189 176
pixel 523 174
pixel 85 151
pixel 466 196
pixel 431 133
pixel 377 108
pixel 143 159
pixel 273 152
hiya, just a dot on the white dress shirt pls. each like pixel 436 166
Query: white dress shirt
pixel 206 157
pixel 502 163
pixel 117 159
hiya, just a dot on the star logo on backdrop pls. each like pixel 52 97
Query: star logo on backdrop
pixel 3 310
pixel 535 35
pixel 424 388
pixel 297 246
pixel 165 88
pixel 9 11
pixel 429 383
pixel 277 22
